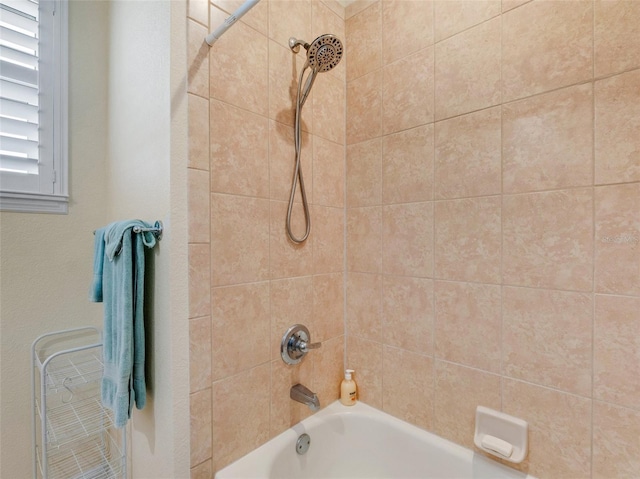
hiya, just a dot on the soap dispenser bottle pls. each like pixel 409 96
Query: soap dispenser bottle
pixel 348 393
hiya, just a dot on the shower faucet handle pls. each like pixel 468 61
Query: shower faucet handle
pixel 296 343
pixel 305 347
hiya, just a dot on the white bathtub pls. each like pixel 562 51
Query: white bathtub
pixel 360 442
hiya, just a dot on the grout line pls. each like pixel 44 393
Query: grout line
pixel 433 225
pixel 593 226
pixel 502 196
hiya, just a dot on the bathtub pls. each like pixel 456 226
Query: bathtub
pixel 360 442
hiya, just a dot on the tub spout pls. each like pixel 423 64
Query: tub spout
pixel 302 394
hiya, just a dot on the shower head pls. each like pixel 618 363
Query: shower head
pixel 323 54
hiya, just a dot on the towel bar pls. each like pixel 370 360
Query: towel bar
pixel 156 229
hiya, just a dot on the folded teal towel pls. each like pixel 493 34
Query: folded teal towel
pixel 123 265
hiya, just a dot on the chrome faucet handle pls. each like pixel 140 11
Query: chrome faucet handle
pixel 296 343
pixel 305 347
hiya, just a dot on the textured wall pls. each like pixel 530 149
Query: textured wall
pixel 493 221
pixel 46 260
pixel 146 179
pixel 248 283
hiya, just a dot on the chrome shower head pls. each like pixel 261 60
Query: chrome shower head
pixel 323 54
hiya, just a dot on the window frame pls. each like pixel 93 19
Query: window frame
pixel 51 193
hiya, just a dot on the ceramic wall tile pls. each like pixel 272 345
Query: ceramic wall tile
pixel 408 386
pixel 328 108
pixel 287 258
pixel 408 307
pixel 239 66
pixel 328 173
pixel 199 354
pixel 364 239
pixel 240 420
pixel 203 470
pixel 468 155
pixel 511 4
pixel 239 239
pixel 364 108
pixel 243 308
pixel 458 392
pixel 467 72
pixel 327 237
pixel 546 45
pixel 548 239
pixel 454 17
pixel 336 7
pixel 356 7
pixel 198 132
pixel 616 449
pixel 328 306
pixel 407 92
pixel 365 357
pixel 617 110
pixel 289 18
pixel 328 370
pixel 364 306
pixel 364 173
pixel 617 247
pixel 616 350
pixel 557 422
pixel 548 141
pixel 199 214
pixel 199 280
pixel 468 324
pixel 616 39
pixel 547 338
pixel 407 238
pixel 200 426
pixel 198 10
pixel 239 151
pixel 407 166
pixel 364 41
pixel 407 27
pixel 468 239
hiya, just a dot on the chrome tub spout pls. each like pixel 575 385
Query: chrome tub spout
pixel 303 395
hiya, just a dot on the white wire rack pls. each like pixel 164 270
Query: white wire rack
pixel 73 434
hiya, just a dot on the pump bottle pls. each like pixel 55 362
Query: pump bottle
pixel 348 394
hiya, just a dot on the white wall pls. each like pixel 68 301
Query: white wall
pixel 144 156
pixel 46 260
pixel 128 159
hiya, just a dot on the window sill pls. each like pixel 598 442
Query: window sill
pixel 34 203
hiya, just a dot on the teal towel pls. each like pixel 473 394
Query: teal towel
pixel 123 265
pixel 95 294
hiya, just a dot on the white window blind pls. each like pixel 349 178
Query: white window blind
pixel 33 112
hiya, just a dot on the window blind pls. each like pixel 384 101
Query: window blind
pixel 19 88
pixel 34 106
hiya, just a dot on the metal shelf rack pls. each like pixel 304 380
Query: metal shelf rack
pixel 73 434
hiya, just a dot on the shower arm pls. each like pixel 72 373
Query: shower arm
pixel 294 44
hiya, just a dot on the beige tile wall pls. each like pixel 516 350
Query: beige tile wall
pixel 493 221
pixel 248 283
pixel 492 216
